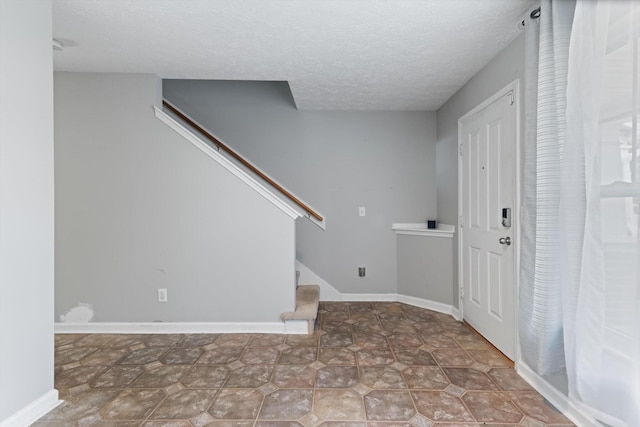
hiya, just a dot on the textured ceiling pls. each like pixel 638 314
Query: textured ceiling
pixel 335 54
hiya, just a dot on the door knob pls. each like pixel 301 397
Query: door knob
pixel 505 241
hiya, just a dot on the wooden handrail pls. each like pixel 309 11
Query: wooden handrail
pixel 242 160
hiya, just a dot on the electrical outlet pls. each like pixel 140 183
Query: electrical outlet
pixel 162 295
pixel 362 271
pixel 361 211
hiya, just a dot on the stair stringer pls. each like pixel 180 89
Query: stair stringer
pixel 227 164
pixel 183 130
pixel 307 276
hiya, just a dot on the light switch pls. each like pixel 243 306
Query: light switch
pixel 361 211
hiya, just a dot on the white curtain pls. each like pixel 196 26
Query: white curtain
pixel 579 308
pixel 540 314
pixel 599 212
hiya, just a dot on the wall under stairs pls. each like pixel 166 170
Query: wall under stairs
pixel 139 208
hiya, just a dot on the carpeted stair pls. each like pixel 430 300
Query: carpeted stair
pixel 307 298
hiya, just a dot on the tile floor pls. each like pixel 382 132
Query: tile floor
pixel 369 365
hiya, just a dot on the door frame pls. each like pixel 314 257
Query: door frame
pixel 515 217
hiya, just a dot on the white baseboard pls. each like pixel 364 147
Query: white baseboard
pixel 369 297
pixel 329 293
pixel 555 397
pixel 233 327
pixel 406 299
pixel 170 328
pixel 296 327
pixel 33 411
pixel 429 305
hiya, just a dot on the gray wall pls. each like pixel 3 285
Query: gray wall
pixel 139 208
pixel 425 267
pixel 26 205
pixel 503 69
pixel 336 161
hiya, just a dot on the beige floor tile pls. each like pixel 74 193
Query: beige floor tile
pixel 369 364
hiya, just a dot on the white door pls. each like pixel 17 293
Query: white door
pixel 488 138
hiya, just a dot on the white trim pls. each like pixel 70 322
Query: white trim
pixel 227 164
pixel 456 314
pixel 297 327
pixel 513 85
pixel 515 217
pixel 420 229
pixel 33 411
pixel 556 398
pixel 428 304
pixel 406 299
pixel 169 327
pixel 238 327
pixel 370 297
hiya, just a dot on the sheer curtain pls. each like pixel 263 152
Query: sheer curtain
pixel 540 314
pixel 579 289
pixel 600 193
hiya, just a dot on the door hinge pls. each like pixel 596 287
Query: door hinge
pixel 461 293
pixel 460 221
pixel 512 98
pixel 460 149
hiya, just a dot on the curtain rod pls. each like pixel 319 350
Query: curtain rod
pixel 535 14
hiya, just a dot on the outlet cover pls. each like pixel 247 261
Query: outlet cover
pixel 162 295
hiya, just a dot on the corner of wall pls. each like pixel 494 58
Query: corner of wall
pixel 159 96
pixel 33 411
pixel 27 205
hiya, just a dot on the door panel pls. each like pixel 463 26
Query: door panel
pixel 488 139
pixel 495 285
pixel 475 173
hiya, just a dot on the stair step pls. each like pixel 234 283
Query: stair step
pixel 307 299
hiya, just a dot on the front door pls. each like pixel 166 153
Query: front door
pixel 488 137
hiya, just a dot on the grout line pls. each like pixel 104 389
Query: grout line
pixel 350 317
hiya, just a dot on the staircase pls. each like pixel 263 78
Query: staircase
pixel 307 297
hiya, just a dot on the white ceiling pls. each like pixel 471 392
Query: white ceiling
pixel 335 54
